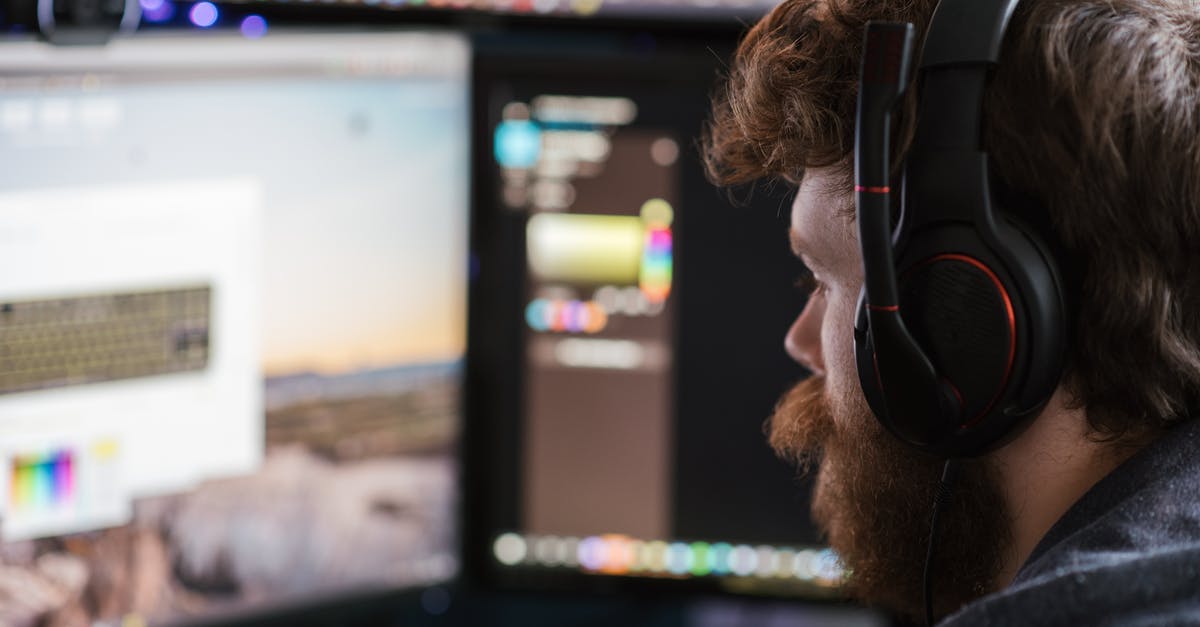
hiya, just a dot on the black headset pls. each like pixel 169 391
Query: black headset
pixel 961 331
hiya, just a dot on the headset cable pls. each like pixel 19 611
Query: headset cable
pixel 940 500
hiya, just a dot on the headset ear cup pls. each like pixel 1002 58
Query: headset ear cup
pixel 959 310
pixel 1046 309
pixel 992 317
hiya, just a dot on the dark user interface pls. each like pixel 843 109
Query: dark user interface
pixel 599 317
pixel 615 458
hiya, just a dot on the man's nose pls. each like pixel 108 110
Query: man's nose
pixel 803 339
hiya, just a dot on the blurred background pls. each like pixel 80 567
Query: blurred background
pixel 390 313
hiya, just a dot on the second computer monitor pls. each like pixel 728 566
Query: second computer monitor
pixel 626 337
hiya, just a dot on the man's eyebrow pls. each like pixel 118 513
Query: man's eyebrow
pixel 803 251
pixel 797 242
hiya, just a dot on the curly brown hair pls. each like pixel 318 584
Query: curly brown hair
pixel 1094 112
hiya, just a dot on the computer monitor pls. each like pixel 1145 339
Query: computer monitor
pixel 655 10
pixel 232 320
pixel 626 337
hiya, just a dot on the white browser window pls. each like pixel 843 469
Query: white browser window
pixel 232 297
pixel 87 254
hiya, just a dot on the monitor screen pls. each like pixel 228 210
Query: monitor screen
pixel 232 321
pixel 656 10
pixel 627 340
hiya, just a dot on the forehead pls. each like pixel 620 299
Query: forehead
pixel 822 216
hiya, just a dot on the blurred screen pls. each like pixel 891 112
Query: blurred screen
pixel 232 319
pixel 599 318
pixel 626 342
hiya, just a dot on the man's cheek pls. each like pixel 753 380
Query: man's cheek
pixel 837 338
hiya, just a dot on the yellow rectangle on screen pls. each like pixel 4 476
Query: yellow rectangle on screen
pixel 592 249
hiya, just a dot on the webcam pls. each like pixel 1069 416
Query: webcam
pixel 75 22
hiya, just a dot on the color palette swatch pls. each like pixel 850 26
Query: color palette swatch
pixel 62 484
pixel 44 482
pixel 615 554
pixel 621 254
pixel 657 258
pixel 566 316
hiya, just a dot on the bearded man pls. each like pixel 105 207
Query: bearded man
pixel 1089 513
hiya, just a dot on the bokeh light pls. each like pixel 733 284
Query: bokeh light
pixel 254 27
pixel 518 144
pixel 157 11
pixel 510 549
pixel 204 14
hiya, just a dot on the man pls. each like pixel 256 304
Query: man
pixel 1091 513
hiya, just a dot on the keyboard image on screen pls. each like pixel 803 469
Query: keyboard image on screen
pixel 107 337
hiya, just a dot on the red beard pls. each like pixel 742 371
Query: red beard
pixel 873 501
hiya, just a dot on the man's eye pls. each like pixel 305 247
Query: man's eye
pixel 809 284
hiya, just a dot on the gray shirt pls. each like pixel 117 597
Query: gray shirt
pixel 1127 553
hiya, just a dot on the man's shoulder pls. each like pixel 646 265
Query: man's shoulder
pixel 1127 553
pixel 1158 587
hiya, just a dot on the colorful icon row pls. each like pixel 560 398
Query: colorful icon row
pixel 622 555
pixel 566 316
